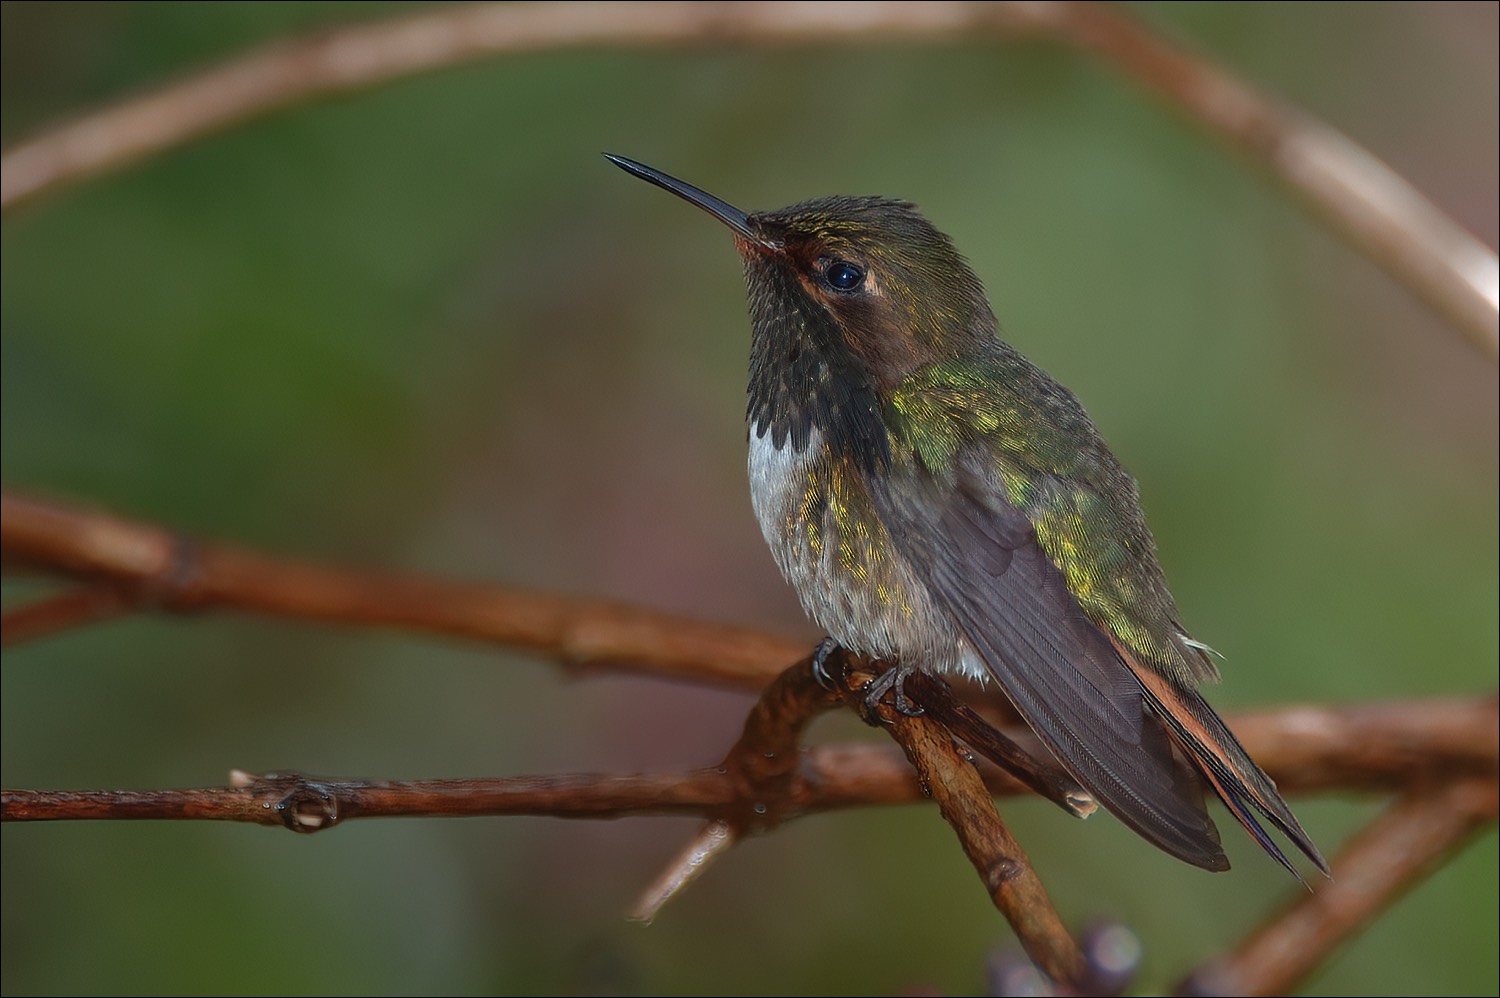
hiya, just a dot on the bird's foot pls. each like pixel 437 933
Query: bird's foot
pixel 893 678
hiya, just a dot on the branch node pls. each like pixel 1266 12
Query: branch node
pixel 303 804
pixel 175 585
pixel 1002 872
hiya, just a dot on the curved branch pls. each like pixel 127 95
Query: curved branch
pixel 1374 870
pixel 1358 196
pixel 360 56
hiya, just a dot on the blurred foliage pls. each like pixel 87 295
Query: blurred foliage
pixel 428 328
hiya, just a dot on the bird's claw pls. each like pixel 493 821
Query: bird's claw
pixel 820 656
pixel 893 678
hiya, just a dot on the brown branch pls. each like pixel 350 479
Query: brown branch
pixel 774 778
pixel 763 782
pixel 831 777
pixel 766 764
pixel 1375 746
pixel 306 803
pixel 1307 748
pixel 172 573
pixel 359 56
pixel 1031 764
pixel 713 840
pixel 1371 873
pixel 765 767
pixel 1003 865
pixel 1450 736
pixel 85 604
pixel 1358 196
pixel 767 779
pixel 952 781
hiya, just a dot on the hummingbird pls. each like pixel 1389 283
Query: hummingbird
pixel 941 504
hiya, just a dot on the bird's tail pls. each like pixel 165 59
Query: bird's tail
pixel 1240 783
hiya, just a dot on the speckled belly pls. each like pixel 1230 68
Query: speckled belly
pixel 828 539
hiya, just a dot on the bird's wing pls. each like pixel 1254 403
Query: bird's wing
pixel 982 562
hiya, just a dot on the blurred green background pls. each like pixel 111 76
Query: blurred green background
pixel 428 328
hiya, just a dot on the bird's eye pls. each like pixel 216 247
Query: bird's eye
pixel 842 275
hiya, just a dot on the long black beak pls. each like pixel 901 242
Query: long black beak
pixel 722 210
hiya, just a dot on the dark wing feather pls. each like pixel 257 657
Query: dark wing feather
pixel 1238 781
pixel 983 564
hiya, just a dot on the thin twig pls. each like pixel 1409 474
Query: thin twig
pixel 1358 196
pixel 307 803
pixel 85 604
pixel 713 840
pixel 1375 746
pixel 766 770
pixel 1376 867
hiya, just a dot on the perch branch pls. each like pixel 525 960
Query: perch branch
pixel 1029 763
pixel 952 781
pixel 772 780
pixel 1455 736
pixel 766 764
pixel 1359 197
pixel 768 779
pixel 834 777
pixel 765 780
pixel 1371 746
